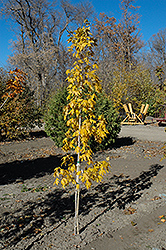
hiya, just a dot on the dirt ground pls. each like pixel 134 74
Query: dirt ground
pixel 121 212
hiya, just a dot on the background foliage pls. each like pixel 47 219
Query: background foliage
pixel 130 70
pixel 18 116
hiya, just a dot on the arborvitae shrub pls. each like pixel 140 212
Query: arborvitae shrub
pixel 105 106
pixel 55 126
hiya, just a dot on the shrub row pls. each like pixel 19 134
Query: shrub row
pixel 20 114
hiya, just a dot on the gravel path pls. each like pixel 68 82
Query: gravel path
pixel 142 132
pixel 121 212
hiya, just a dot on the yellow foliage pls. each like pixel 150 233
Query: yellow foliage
pixel 83 83
pixel 134 86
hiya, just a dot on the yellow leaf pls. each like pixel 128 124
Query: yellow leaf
pixel 56 182
pixel 79 172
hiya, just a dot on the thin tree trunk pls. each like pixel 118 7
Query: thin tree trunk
pixel 77 189
pixel 4 102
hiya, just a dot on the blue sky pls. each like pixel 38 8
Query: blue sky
pixel 153 18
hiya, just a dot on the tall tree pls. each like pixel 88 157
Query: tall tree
pixel 157 44
pixel 121 39
pixel 104 30
pixel 129 40
pixel 82 124
pixel 39 50
pixel 119 43
pixel 156 57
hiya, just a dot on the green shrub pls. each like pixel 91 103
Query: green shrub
pixel 55 126
pixel 105 106
pixel 18 116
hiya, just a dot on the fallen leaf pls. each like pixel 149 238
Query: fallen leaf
pixel 37 230
pixel 42 215
pixel 27 216
pixel 25 238
pixel 35 216
pixel 161 216
pixel 150 230
pixel 130 210
pixel 156 198
pixel 133 223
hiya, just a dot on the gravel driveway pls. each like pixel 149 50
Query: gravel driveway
pixel 142 132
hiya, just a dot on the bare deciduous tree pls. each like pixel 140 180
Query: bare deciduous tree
pixel 156 57
pixel 129 39
pixel 39 49
pixel 157 44
pixel 119 43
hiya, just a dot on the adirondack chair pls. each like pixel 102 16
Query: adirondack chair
pixel 132 118
pixel 143 111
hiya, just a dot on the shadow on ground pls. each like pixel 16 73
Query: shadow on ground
pixel 58 206
pixel 10 172
pixel 123 141
pixel 27 169
pixel 125 191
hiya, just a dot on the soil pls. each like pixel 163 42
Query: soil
pixel 121 212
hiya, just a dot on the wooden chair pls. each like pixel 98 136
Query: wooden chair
pixel 132 118
pixel 143 111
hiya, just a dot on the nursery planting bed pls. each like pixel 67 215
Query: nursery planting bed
pixel 121 212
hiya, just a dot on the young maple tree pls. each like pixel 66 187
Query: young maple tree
pixel 15 85
pixel 82 123
pixel 18 112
